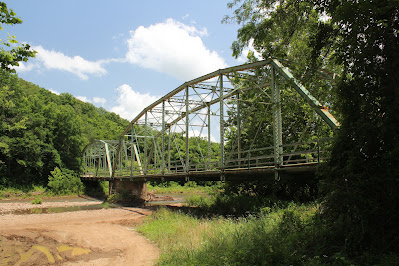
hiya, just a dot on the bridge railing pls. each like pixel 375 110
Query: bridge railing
pixel 293 154
pixel 306 152
pixel 98 160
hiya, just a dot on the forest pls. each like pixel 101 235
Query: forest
pixel 351 218
pixel 40 131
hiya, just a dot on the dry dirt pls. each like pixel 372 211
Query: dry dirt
pixel 96 237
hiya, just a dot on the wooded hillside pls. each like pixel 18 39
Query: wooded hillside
pixel 40 130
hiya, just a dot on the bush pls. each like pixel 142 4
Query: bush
pixel 198 201
pixel 37 201
pixel 65 182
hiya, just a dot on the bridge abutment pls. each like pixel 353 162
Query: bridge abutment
pixel 137 189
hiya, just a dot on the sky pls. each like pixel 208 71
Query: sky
pixel 122 55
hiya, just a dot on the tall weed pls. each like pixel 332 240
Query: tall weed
pixel 279 236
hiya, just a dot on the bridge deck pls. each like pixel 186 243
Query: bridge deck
pixel 238 174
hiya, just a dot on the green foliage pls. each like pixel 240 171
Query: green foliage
pixel 361 180
pixel 284 236
pixel 114 198
pixel 37 201
pixel 40 131
pixel 359 42
pixel 21 191
pixel 12 57
pixel 65 182
pixel 198 201
pixel 251 198
pixel 188 187
pixel 96 188
pixel 285 30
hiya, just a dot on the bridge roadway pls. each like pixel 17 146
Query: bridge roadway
pixel 238 174
pixel 202 131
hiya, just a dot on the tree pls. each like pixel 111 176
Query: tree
pixel 288 31
pixel 11 58
pixel 361 179
pixel 293 32
pixel 360 40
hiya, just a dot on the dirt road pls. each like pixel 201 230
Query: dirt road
pixel 96 237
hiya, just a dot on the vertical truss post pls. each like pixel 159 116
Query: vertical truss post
pixel 126 156
pixel 163 139
pixel 209 138
pixel 120 157
pixel 131 155
pixel 136 152
pixel 145 143
pixel 169 144
pixel 187 134
pixel 277 123
pixel 238 129
pixel 221 92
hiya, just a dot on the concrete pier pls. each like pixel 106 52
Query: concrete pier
pixel 137 189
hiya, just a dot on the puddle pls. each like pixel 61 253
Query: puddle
pixel 160 199
pixel 55 199
pixel 65 209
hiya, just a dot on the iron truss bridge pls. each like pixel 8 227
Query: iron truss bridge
pixel 206 130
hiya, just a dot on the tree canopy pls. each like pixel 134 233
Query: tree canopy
pixel 40 130
pixel 15 53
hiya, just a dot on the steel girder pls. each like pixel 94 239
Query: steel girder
pixel 198 127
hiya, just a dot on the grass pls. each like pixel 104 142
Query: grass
pixel 251 230
pixel 96 189
pixel 172 187
pixel 22 192
pixel 273 237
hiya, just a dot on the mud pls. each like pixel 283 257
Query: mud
pixel 96 237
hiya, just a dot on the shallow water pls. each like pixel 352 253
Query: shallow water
pixel 55 199
pixel 178 198
pixel 65 209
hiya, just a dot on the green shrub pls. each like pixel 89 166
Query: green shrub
pixel 114 198
pixel 37 201
pixel 198 201
pixel 65 182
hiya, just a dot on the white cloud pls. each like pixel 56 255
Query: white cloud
pixel 244 55
pixel 83 99
pixel 25 67
pixel 57 60
pixel 174 48
pixel 54 91
pixel 99 100
pixel 130 102
pixel 95 100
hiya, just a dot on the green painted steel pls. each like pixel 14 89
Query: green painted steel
pixel 196 130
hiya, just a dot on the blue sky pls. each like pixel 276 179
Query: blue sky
pixel 122 55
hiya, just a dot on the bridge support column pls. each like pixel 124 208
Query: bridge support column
pixel 137 189
pixel 277 124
